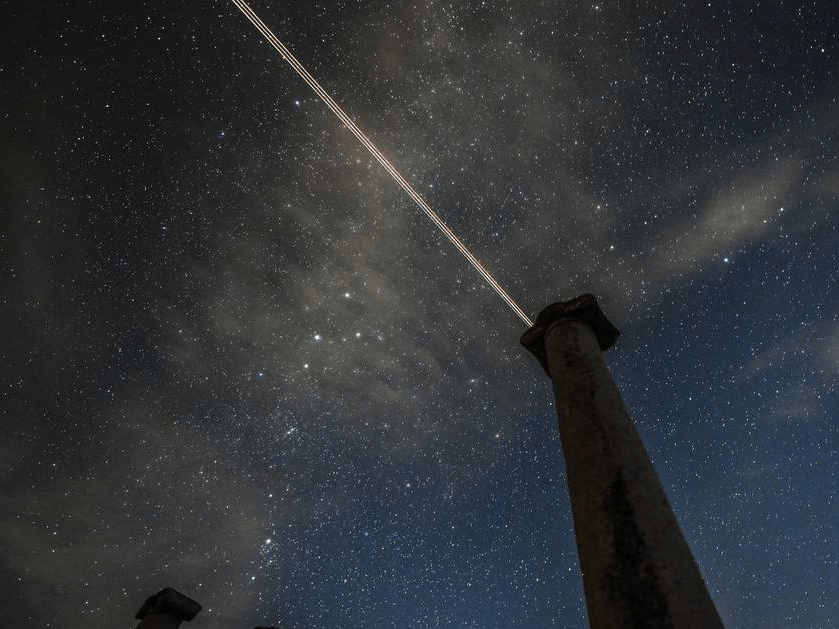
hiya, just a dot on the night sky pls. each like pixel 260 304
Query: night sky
pixel 238 361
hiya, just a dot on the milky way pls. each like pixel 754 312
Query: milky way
pixel 237 361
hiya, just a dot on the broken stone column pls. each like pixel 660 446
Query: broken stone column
pixel 638 571
pixel 167 610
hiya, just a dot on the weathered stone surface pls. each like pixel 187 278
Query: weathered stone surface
pixel 638 571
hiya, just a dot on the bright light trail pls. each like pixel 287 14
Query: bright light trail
pixel 360 135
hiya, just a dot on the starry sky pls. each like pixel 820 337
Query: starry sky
pixel 238 361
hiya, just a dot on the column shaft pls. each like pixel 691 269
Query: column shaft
pixel 638 571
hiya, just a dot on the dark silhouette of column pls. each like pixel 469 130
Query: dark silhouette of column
pixel 638 571
pixel 167 610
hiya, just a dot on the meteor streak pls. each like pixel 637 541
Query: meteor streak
pixel 374 151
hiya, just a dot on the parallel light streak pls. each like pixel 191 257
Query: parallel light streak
pixel 374 151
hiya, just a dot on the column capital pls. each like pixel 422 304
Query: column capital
pixel 583 308
pixel 171 602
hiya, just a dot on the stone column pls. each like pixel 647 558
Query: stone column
pixel 638 571
pixel 167 610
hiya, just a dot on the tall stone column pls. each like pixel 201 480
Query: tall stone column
pixel 167 610
pixel 638 571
